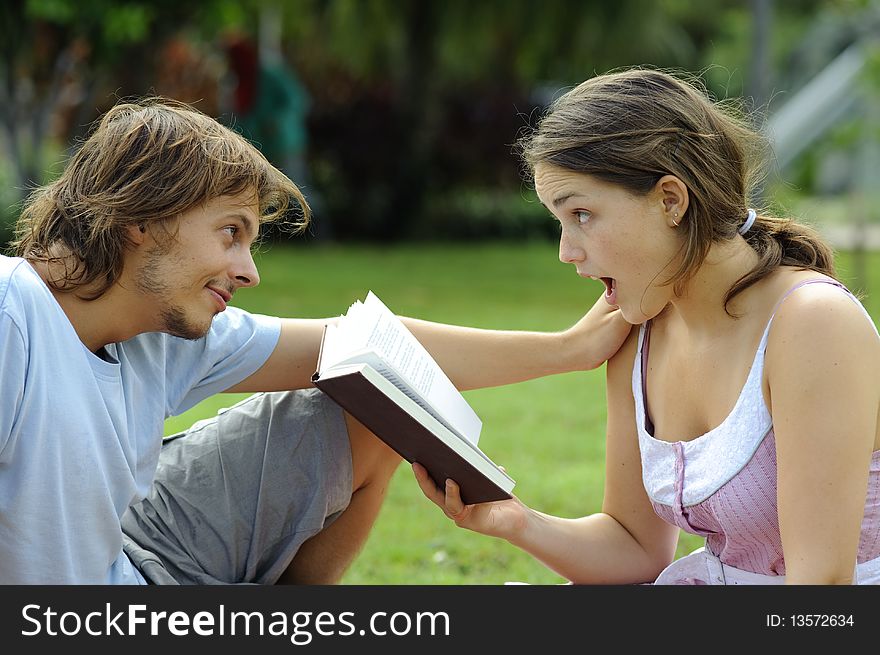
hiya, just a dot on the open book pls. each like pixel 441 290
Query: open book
pixel 376 370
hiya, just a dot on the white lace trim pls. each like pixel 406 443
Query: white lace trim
pixel 712 459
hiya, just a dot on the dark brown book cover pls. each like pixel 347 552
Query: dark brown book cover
pixel 412 440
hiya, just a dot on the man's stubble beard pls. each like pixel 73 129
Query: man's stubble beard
pixel 149 280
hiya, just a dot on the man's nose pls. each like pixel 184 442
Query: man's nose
pixel 246 273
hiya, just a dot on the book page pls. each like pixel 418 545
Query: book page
pixel 371 326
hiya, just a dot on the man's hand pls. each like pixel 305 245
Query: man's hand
pixel 597 336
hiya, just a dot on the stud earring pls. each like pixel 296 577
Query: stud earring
pixel 675 223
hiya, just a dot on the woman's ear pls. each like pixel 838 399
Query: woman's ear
pixel 674 195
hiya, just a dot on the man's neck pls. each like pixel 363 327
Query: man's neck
pixel 110 318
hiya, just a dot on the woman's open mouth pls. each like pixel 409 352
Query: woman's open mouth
pixel 610 290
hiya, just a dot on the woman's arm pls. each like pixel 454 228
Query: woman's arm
pixel 823 373
pixel 625 543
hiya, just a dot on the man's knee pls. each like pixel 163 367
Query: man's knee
pixel 372 459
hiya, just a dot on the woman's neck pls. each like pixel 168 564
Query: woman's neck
pixel 700 309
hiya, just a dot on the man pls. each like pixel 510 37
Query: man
pixel 115 315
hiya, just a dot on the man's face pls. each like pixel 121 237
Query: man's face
pixel 192 274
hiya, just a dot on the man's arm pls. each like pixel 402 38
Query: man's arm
pixel 475 358
pixel 471 357
pixel 292 363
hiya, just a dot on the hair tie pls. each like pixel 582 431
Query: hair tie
pixel 750 220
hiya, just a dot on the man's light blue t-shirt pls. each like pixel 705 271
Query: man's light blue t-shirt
pixel 80 434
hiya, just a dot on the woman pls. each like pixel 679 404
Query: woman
pixel 745 408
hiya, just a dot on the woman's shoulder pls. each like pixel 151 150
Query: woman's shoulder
pixel 822 349
pixel 787 279
pixel 814 311
pixel 800 295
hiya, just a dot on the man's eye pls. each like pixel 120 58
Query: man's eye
pixel 232 229
pixel 582 216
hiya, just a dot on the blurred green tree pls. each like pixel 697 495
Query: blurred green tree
pixel 60 56
pixel 414 99
pixel 415 102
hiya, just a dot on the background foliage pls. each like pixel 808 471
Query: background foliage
pixel 414 103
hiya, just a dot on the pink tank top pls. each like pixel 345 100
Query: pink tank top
pixel 722 485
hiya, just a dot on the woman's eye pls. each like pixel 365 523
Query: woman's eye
pixel 582 216
pixel 231 229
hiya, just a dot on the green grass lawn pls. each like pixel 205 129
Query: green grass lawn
pixel 548 433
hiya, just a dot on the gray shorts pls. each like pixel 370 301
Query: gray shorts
pixel 235 496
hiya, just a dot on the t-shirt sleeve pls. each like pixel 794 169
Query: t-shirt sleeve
pixel 236 346
pixel 13 365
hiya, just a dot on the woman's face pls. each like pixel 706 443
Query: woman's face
pixel 610 234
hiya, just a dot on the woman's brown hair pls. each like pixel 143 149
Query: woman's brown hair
pixel 143 163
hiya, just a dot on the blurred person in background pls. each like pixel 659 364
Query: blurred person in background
pixel 270 106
